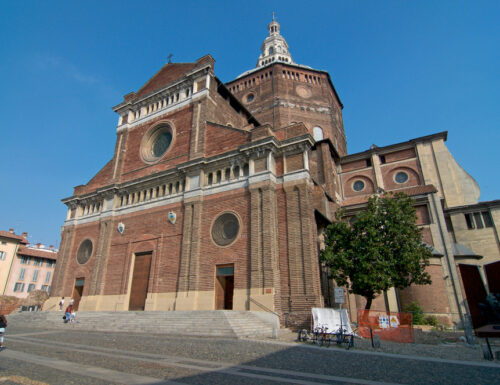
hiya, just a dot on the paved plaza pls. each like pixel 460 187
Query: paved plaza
pixel 73 356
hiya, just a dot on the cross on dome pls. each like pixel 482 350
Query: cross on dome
pixel 275 47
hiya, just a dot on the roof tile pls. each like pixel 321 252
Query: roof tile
pixel 37 253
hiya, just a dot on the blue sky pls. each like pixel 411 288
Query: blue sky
pixel 402 69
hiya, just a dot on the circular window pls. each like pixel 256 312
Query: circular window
pixel 156 143
pixel 303 91
pixel 225 229
pixel 161 144
pixel 250 97
pixel 84 251
pixel 359 185
pixel 401 177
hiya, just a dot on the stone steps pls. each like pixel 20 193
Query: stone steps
pixel 220 323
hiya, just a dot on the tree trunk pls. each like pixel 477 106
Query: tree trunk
pixel 368 303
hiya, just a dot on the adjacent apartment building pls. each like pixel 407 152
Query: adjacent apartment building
pixel 24 267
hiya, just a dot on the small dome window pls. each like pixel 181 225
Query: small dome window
pixel 317 133
pixel 359 185
pixel 401 177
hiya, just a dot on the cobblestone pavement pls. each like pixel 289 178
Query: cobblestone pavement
pixel 83 357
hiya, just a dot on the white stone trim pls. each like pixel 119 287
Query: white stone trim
pixel 161 111
pixel 117 211
pixel 208 190
pixel 216 189
pixel 193 193
pixel 262 176
pixel 296 175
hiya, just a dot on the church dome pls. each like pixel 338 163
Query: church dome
pixel 275 47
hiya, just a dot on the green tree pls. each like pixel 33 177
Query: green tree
pixel 381 248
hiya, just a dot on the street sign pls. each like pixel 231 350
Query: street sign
pixel 338 293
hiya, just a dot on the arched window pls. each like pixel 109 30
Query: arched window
pixel 271 50
pixel 317 133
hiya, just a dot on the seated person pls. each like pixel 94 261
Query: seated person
pixel 68 312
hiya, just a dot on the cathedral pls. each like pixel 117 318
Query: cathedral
pixel 217 193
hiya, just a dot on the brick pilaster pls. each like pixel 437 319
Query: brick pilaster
pixel 61 271
pixel 189 266
pixel 303 265
pixel 101 258
pixel 256 254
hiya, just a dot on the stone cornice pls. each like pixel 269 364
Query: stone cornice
pixel 393 147
pixel 474 207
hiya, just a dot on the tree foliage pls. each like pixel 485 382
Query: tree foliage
pixel 381 248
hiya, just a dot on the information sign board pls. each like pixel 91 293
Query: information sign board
pixel 338 293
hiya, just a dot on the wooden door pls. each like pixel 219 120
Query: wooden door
pixel 219 293
pixel 140 281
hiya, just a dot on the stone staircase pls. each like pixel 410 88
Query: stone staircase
pixel 217 323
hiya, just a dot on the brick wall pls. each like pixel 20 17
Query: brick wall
pixel 409 167
pixel 294 162
pixel 355 165
pixel 133 164
pixel 366 176
pixel 431 298
pixel 400 155
pixel 220 139
pixel 300 100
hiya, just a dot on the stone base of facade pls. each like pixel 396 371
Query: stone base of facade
pixel 243 299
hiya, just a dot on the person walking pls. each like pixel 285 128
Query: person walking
pixel 3 325
pixel 61 304
pixel 71 301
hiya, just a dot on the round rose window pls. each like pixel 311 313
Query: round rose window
pixel 156 143
pixel 84 251
pixel 225 229
pixel 161 144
